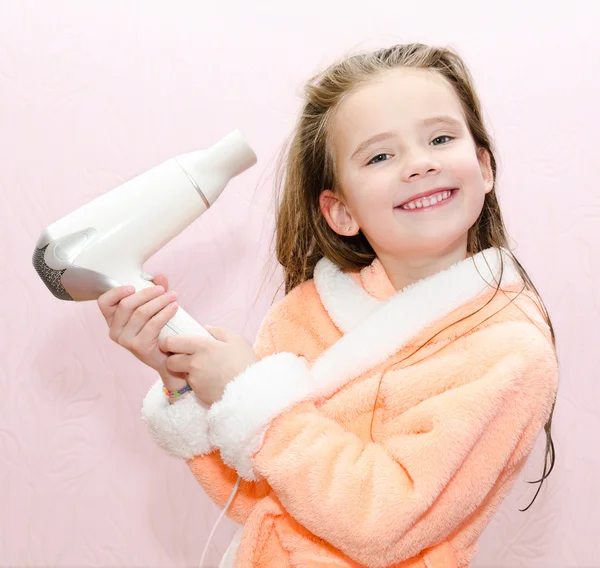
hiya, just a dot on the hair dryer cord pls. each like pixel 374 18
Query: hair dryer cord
pixel 235 488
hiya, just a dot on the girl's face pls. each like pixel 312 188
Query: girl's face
pixel 400 136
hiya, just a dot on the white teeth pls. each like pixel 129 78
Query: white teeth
pixel 427 201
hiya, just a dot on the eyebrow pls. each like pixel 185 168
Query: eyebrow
pixel 442 119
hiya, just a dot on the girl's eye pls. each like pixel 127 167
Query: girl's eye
pixel 443 136
pixel 376 159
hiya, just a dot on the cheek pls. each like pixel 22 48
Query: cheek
pixel 373 192
pixel 466 168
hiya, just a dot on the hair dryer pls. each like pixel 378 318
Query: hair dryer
pixel 105 243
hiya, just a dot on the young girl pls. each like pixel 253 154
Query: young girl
pixel 394 394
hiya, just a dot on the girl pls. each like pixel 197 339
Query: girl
pixel 394 394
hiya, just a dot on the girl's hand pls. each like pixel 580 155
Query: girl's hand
pixel 209 364
pixel 135 320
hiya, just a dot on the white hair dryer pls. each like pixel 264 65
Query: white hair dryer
pixel 105 243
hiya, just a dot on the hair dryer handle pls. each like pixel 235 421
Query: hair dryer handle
pixel 180 324
pixel 183 323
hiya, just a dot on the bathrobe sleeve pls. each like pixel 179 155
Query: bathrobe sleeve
pixel 181 429
pixel 439 461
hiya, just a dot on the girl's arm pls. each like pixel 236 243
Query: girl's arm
pixel 437 463
pixel 181 429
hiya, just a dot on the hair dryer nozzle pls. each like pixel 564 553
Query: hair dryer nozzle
pixel 210 170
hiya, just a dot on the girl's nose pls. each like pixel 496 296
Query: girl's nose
pixel 419 163
pixel 421 168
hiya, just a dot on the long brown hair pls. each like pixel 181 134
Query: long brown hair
pixel 306 168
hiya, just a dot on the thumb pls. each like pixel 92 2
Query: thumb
pixel 161 280
pixel 220 333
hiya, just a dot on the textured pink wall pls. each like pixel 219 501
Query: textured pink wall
pixel 92 93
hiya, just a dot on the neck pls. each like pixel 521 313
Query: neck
pixel 407 269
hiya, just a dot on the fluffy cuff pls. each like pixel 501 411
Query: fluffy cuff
pixel 180 428
pixel 238 422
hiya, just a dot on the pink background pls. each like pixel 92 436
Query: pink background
pixel 93 93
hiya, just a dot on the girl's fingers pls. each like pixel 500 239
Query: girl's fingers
pixel 178 363
pixel 128 305
pixel 158 321
pixel 161 280
pixel 145 312
pixel 109 300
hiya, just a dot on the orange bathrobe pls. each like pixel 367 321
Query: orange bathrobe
pixel 342 469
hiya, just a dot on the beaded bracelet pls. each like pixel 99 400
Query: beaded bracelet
pixel 172 394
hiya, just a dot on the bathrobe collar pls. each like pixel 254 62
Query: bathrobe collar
pixel 377 328
pixel 349 299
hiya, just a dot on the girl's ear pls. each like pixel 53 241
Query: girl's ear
pixel 485 164
pixel 337 214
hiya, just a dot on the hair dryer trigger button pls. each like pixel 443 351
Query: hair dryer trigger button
pixel 70 245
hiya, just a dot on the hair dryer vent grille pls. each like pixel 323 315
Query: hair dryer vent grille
pixel 49 276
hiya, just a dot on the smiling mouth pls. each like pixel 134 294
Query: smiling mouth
pixel 430 202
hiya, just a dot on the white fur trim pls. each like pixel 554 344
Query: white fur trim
pixel 347 303
pixel 238 422
pixel 180 428
pixel 393 323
